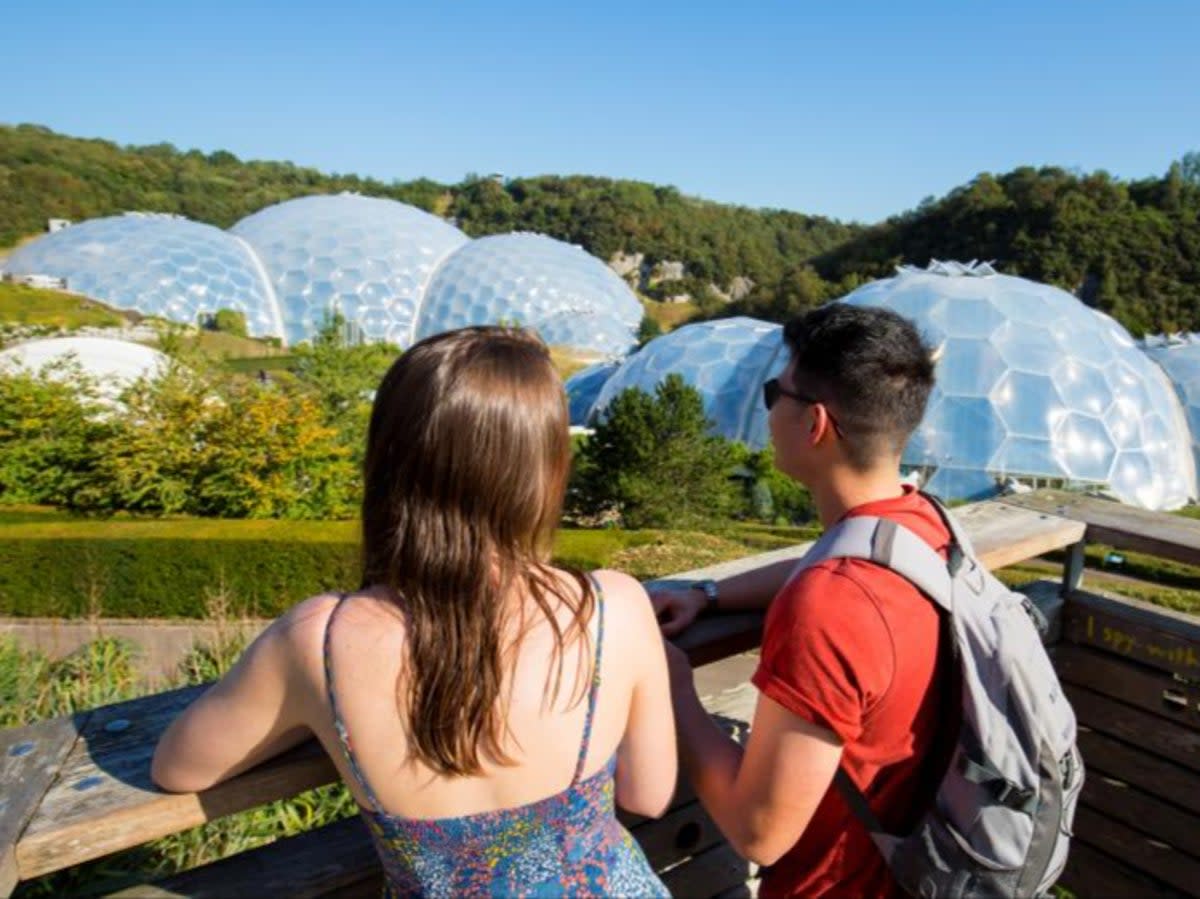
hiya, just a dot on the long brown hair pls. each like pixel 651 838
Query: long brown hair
pixel 468 454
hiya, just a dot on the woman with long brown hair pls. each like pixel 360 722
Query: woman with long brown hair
pixel 484 707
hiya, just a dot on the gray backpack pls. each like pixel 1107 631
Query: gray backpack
pixel 1000 823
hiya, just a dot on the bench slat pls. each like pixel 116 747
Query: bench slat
pixel 103 799
pixel 1136 767
pixel 1119 525
pixel 30 758
pixel 1146 731
pixel 1151 857
pixel 1175 701
pixel 1162 638
pixel 1091 873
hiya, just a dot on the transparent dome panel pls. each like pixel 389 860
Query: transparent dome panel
pixel 584 386
pixel 365 258
pixel 725 360
pixel 1033 384
pixel 570 297
pixel 158 265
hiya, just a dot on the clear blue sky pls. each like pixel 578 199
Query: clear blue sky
pixel 849 109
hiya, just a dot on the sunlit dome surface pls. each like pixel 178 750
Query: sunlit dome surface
pixel 570 297
pixel 368 258
pixel 157 265
pixel 725 360
pixel 113 363
pixel 1034 384
pixel 1179 357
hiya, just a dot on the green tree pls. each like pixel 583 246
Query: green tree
pixel 342 379
pixel 230 321
pixel 652 461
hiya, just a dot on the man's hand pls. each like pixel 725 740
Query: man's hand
pixel 676 608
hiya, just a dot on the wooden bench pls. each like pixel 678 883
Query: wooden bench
pixel 1132 672
pixel 78 788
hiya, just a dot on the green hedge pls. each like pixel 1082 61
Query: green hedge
pixel 57 566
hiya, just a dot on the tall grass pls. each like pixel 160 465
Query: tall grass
pixel 104 671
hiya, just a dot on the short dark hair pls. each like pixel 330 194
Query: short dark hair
pixel 873 368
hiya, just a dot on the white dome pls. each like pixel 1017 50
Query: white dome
pixel 369 259
pixel 114 363
pixel 160 265
pixel 1033 383
pixel 1180 359
pixel 570 297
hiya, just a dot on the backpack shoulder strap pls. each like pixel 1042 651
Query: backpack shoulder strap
pixel 886 543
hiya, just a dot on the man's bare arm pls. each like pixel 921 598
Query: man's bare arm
pixel 749 591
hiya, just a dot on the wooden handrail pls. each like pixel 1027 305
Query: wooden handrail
pixel 78 788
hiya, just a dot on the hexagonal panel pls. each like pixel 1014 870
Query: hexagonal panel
pixel 725 360
pixel 1067 384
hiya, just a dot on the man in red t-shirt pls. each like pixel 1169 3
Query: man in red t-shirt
pixel 852 670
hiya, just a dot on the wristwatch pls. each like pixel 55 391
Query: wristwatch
pixel 709 588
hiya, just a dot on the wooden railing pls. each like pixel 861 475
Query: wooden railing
pixel 78 788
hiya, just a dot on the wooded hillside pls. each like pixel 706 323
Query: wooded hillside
pixel 1131 248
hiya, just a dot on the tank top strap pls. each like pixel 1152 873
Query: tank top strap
pixel 338 724
pixel 594 690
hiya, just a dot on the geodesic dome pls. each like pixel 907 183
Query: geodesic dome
pixel 570 297
pixel 369 259
pixel 115 364
pixel 584 386
pixel 160 265
pixel 1179 357
pixel 725 360
pixel 1034 384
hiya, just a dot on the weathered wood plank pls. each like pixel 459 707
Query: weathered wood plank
pixel 1091 874
pixel 1148 732
pixel 1103 754
pixel 1152 816
pixel 329 859
pixel 1004 534
pixel 104 800
pixel 1161 638
pixel 1152 858
pixel 708 873
pixel 30 758
pixel 1174 700
pixel 1127 527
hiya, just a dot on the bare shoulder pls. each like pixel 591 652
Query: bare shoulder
pixel 627 603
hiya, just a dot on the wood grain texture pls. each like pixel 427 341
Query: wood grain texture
pixel 1105 755
pixel 1175 701
pixel 1151 858
pixel 1141 729
pixel 103 799
pixel 30 758
pixel 1092 874
pixel 1151 635
pixel 1119 525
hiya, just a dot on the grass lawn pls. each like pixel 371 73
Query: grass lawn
pixel 28 306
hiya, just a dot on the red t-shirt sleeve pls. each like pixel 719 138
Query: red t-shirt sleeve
pixel 826 655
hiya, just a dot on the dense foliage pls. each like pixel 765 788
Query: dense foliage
pixel 651 462
pixel 1131 248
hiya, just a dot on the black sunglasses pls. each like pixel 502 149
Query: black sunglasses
pixel 773 390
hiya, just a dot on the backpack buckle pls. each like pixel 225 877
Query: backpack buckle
pixel 1011 796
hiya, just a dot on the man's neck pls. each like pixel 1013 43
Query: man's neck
pixel 845 489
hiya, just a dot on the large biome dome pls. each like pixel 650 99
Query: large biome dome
pixel 115 364
pixel 570 297
pixel 369 259
pixel 160 265
pixel 725 360
pixel 1180 358
pixel 1033 384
